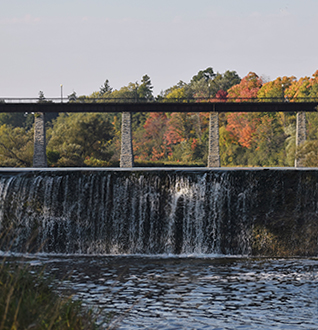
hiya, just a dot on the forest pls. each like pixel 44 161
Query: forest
pixel 172 139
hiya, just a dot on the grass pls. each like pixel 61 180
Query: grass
pixel 27 301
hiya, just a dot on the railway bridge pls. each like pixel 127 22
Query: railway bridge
pixel 127 108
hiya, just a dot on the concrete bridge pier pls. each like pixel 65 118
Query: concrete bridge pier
pixel 300 135
pixel 39 155
pixel 214 149
pixel 126 155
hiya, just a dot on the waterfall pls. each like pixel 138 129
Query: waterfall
pixel 156 211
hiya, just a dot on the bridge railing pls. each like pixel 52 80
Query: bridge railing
pixel 84 99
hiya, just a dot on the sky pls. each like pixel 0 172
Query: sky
pixel 81 43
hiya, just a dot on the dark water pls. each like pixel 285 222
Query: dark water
pixel 188 292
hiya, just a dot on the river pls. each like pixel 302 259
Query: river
pixel 189 292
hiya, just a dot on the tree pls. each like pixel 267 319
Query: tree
pixel 105 88
pixel 207 74
pixel 41 98
pixel 276 90
pixel 306 89
pixel 308 152
pixel 176 93
pixel 269 142
pixel 16 119
pixel 221 96
pixel 200 90
pixel 80 137
pixel 247 89
pixel 145 89
pixel 133 92
pixel 208 88
pixel 125 94
pixel 298 90
pixel 313 94
pixel 16 146
pixel 242 128
pixel 223 82
pixel 152 143
pixel 180 136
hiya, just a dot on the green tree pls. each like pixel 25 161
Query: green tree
pixel 16 119
pixel 16 146
pixel 105 89
pixel 308 152
pixel 176 93
pixel 81 139
pixel 41 98
pixel 145 89
pixel 200 89
pixel 125 94
pixel 223 82
pixel 207 74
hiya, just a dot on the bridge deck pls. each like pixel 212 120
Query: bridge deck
pixel 161 107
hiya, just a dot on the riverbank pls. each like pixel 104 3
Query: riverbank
pixel 28 301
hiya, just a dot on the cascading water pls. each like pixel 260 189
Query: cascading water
pixel 159 211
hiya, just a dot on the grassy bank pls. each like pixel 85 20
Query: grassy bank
pixel 27 301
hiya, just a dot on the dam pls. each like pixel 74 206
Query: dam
pixel 243 211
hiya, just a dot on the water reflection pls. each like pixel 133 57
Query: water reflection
pixel 192 293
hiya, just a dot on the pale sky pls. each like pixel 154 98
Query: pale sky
pixel 81 43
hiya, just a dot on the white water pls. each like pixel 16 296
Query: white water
pixel 134 212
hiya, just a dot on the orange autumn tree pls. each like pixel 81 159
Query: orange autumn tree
pixel 152 144
pixel 178 132
pixel 247 89
pixel 256 138
pixel 242 126
pixel 184 136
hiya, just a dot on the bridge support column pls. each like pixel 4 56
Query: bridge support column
pixel 300 135
pixel 126 155
pixel 39 155
pixel 214 149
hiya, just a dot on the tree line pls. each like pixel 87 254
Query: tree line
pixel 246 139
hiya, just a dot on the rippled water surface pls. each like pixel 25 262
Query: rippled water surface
pixel 145 292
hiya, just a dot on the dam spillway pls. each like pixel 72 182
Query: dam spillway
pixel 253 211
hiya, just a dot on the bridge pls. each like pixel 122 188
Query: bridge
pixel 128 107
